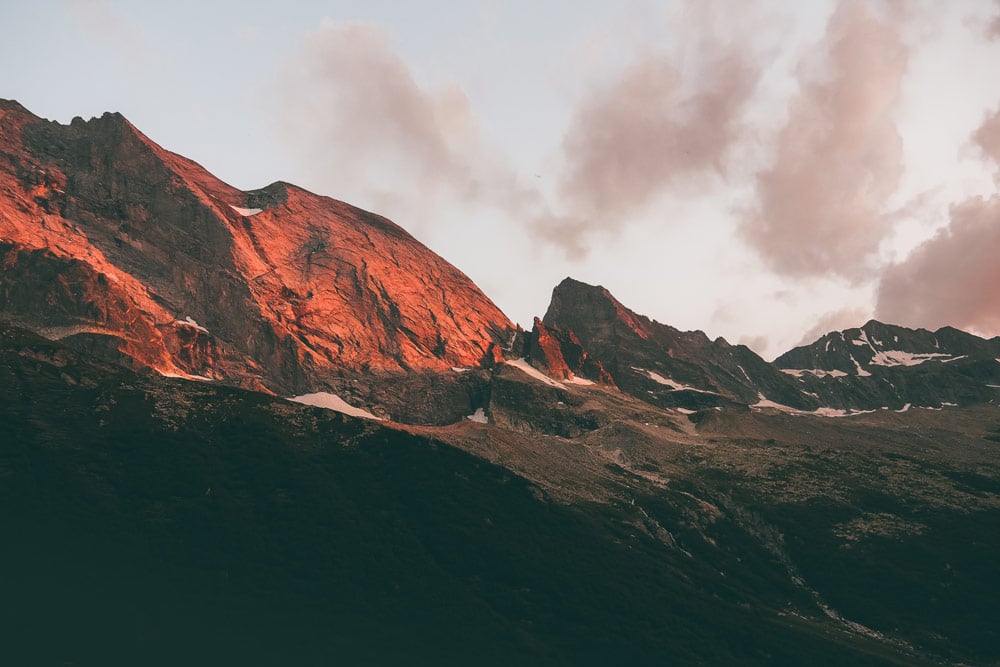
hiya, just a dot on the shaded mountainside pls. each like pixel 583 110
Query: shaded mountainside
pixel 160 520
pixel 129 251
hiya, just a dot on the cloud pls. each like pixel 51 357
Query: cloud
pixel 352 110
pixel 987 138
pixel 993 31
pixel 664 123
pixel 839 157
pixel 952 278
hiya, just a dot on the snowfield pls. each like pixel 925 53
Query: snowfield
pixel 329 401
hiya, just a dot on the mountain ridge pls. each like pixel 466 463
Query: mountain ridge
pixel 140 255
pixel 600 489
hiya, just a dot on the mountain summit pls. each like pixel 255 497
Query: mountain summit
pixel 126 249
pixel 661 364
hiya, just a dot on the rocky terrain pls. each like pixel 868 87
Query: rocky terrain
pixel 444 487
pixel 895 367
pixel 132 252
pixel 162 520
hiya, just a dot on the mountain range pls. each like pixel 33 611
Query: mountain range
pixel 680 496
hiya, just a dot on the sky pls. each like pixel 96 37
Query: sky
pixel 761 170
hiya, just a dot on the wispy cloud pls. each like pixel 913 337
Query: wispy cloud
pixel 987 139
pixel 351 107
pixel 663 123
pixel 839 157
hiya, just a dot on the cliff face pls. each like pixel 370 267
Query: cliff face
pixel 119 246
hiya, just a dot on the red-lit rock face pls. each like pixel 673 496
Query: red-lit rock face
pixel 544 350
pixel 561 355
pixel 111 240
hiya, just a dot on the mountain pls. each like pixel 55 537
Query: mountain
pixel 661 364
pixel 600 489
pixel 129 251
pixel 137 255
pixel 882 365
pixel 159 520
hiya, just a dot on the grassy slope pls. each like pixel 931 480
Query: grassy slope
pixel 163 522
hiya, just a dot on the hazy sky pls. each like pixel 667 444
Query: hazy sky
pixel 763 171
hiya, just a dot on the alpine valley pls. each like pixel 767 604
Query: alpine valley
pixel 268 427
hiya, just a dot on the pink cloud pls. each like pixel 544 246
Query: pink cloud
pixel 953 278
pixel 353 111
pixel 658 126
pixel 987 138
pixel 820 208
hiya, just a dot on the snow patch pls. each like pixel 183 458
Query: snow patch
pixel 528 369
pixel 818 372
pixel 863 340
pixel 904 408
pixel 765 402
pixel 900 358
pixel 667 382
pixel 576 379
pixel 862 373
pixel 329 401
pixel 685 411
pixel 460 369
pixel 185 376
pixel 246 212
pixel 742 370
pixel 191 323
pixel 479 416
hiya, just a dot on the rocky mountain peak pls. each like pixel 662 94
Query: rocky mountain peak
pixel 660 364
pixel 129 250
pixel 577 305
